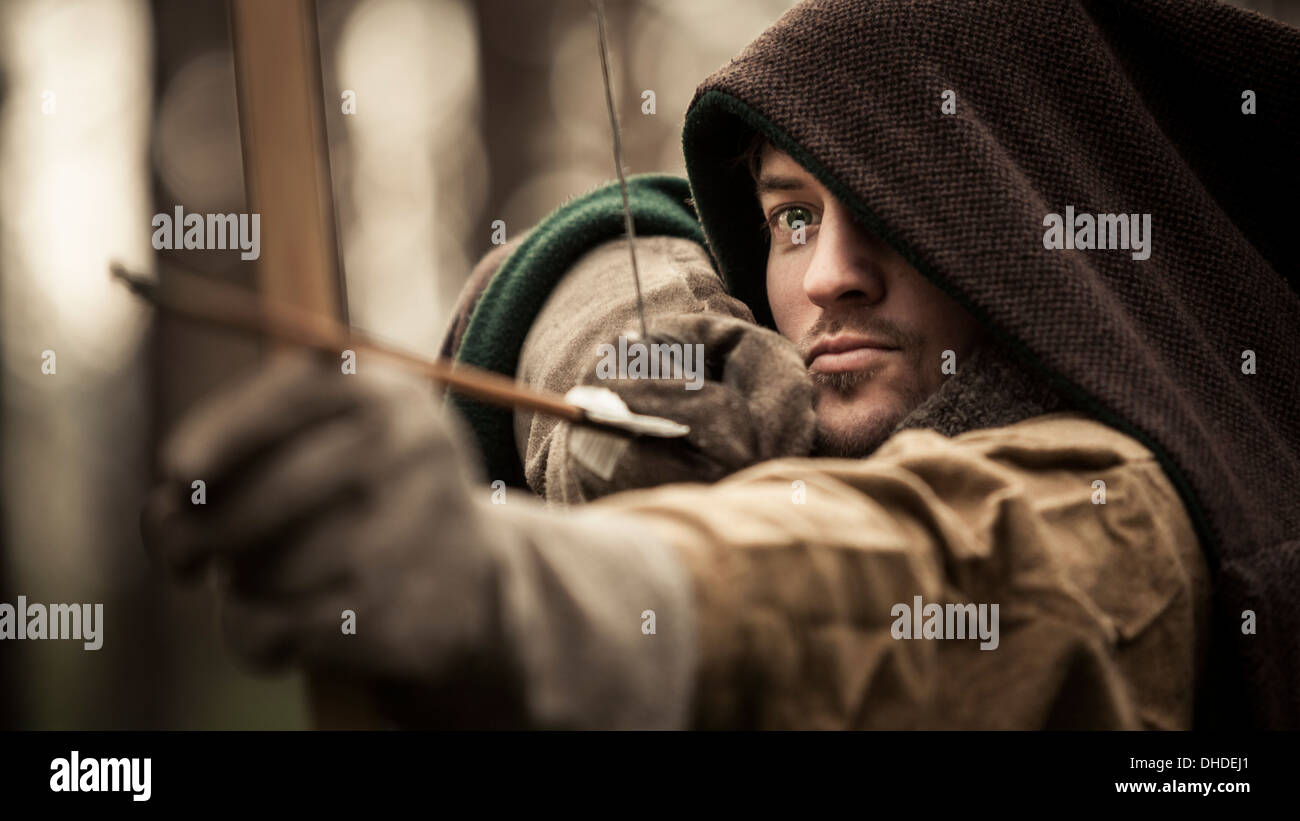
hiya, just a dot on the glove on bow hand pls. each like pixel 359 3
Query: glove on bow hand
pixel 322 492
pixel 326 493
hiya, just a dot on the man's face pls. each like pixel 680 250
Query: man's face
pixel 873 331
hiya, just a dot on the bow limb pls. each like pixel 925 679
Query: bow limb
pixel 287 181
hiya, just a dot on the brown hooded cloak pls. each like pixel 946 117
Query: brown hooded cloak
pixel 1119 107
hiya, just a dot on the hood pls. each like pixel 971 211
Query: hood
pixel 1072 107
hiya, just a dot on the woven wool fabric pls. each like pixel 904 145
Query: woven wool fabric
pixel 1126 106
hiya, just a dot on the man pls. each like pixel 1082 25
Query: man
pixel 872 329
pixel 1061 440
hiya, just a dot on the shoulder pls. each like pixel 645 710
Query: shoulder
pixel 1071 524
pixel 1073 486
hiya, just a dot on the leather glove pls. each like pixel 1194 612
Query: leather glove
pixel 592 304
pixel 755 404
pixel 322 493
pixel 328 493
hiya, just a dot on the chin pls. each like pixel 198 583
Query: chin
pixel 855 425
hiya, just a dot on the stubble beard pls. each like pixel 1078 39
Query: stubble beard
pixel 871 433
pixel 868 434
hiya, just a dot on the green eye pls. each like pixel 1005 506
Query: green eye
pixel 790 218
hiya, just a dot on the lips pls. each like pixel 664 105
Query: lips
pixel 846 353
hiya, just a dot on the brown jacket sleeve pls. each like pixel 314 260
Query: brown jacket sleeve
pixel 470 293
pixel 594 303
pixel 799 569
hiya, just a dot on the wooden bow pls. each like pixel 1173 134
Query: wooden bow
pixel 287 181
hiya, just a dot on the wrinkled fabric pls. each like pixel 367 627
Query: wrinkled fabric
pixel 796 565
pixel 599 618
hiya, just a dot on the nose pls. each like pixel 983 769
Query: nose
pixel 843 269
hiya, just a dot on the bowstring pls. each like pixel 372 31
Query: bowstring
pixel 599 7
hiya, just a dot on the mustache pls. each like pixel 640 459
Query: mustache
pixel 875 327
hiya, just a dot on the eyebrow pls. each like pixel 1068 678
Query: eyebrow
pixel 767 183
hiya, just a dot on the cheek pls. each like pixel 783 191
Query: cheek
pixel 785 296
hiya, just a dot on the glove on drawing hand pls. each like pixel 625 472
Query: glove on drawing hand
pixel 328 493
pixel 755 404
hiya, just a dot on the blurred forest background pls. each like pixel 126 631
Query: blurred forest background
pixel 113 110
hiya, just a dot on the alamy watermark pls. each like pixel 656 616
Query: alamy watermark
pixel 656 360
pixel 198 232
pixel 1101 232
pixel 81 622
pixel 946 621
pixel 77 774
